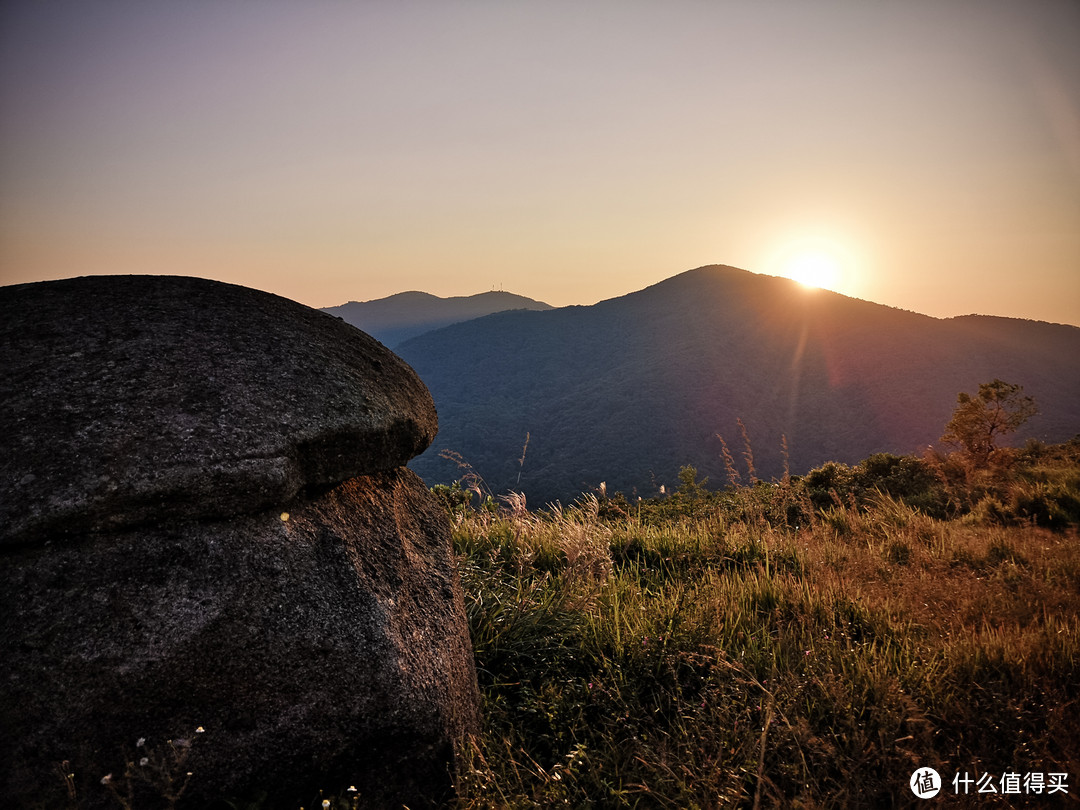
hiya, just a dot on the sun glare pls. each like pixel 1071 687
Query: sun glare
pixel 815 261
pixel 814 269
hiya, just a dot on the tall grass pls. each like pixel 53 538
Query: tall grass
pixel 718 656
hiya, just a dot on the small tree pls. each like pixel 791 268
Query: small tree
pixel 690 488
pixel 979 422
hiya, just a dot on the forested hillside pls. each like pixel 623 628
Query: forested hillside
pixel 630 389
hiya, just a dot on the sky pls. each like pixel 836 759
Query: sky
pixel 923 154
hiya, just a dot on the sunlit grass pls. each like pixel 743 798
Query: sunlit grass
pixel 728 660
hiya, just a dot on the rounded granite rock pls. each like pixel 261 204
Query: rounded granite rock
pixel 323 647
pixel 135 399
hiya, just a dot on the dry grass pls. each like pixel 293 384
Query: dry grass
pixel 717 657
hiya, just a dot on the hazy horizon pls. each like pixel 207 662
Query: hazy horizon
pixel 923 155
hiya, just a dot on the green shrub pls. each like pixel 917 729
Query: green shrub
pixel 1056 505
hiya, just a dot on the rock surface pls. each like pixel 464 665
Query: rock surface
pixel 309 618
pixel 122 394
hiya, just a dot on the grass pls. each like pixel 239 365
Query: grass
pixel 708 654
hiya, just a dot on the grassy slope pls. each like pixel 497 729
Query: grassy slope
pixel 709 657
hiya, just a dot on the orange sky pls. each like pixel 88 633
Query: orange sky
pixel 567 151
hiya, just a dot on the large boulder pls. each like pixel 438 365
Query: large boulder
pixel 126 393
pixel 205 523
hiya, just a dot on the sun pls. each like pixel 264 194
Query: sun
pixel 816 269
pixel 821 258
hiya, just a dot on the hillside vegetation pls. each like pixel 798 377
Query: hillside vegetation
pixel 629 390
pixel 809 642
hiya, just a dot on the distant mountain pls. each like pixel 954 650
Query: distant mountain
pixel 406 315
pixel 628 390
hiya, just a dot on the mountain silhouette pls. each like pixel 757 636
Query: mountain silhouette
pixel 630 389
pixel 406 315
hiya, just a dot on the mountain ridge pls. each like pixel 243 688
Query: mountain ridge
pixel 631 388
pixel 405 315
